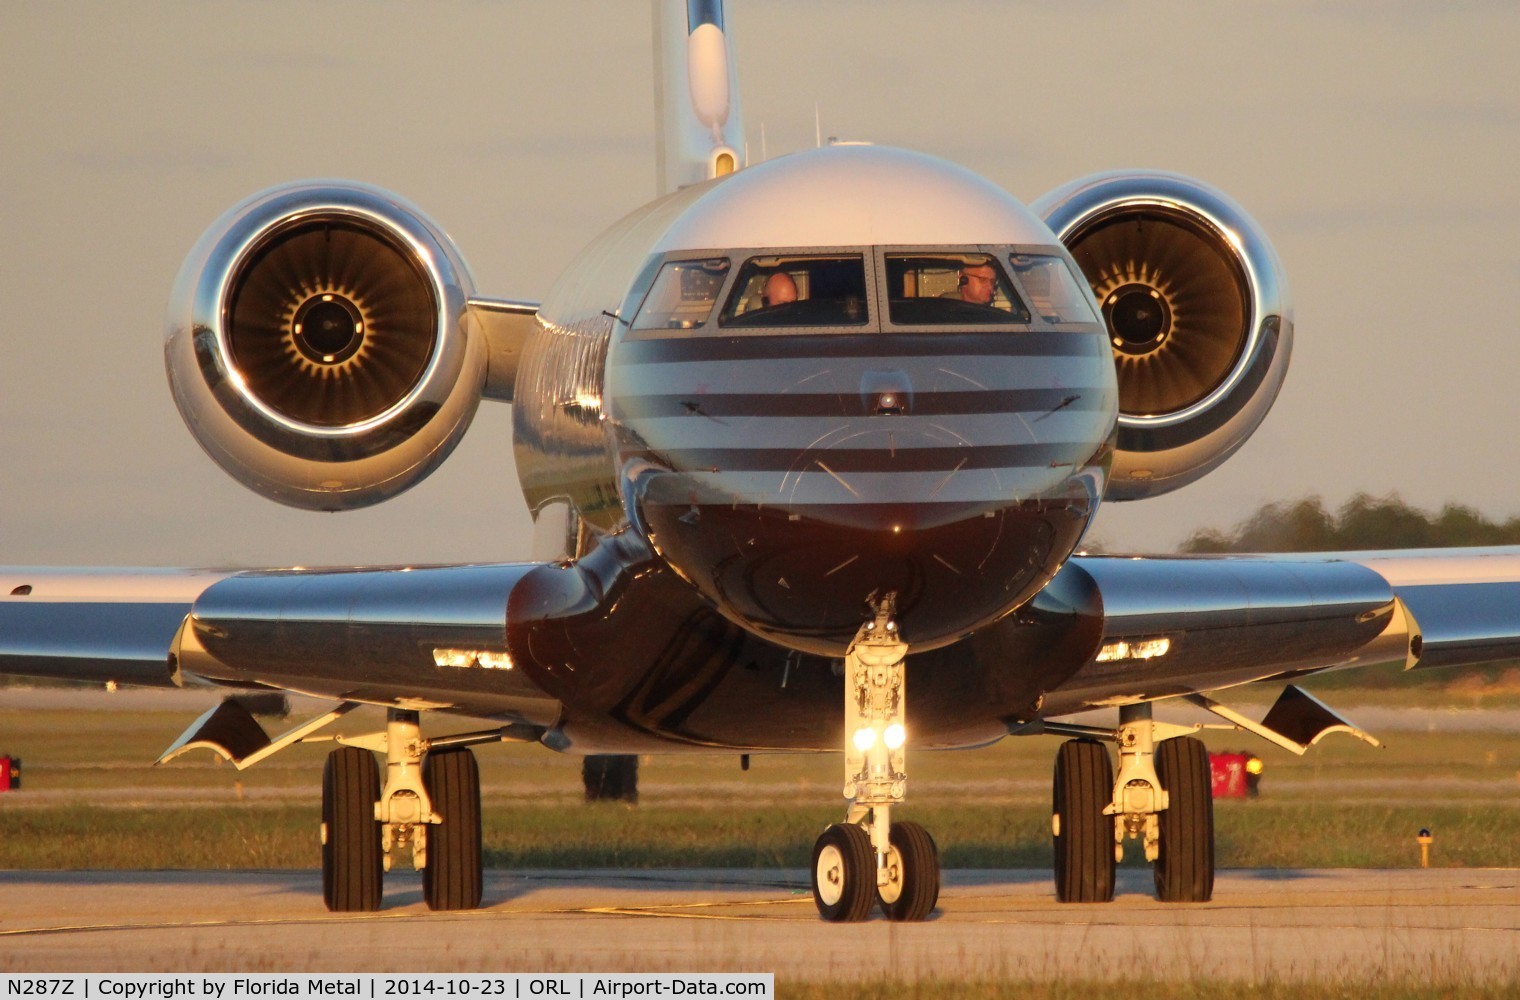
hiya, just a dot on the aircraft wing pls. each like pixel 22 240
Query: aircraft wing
pixel 1466 602
pixel 1176 625
pixel 633 652
pixel 415 637
pixel 106 625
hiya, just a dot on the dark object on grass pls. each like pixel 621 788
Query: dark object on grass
pixel 611 778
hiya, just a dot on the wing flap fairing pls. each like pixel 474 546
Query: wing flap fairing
pixel 231 732
pixel 1295 722
pixel 1306 720
pixel 227 729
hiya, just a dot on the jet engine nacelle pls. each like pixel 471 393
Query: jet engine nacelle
pixel 317 345
pixel 1197 309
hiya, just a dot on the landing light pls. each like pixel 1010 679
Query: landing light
pixel 895 736
pixel 1141 649
pixel 484 659
pixel 865 738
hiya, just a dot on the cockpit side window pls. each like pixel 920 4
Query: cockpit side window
pixel 683 295
pixel 1054 292
pixel 932 289
pixel 793 290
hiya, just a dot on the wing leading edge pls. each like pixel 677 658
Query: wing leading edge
pixel 102 625
pixel 649 671
pixel 1466 601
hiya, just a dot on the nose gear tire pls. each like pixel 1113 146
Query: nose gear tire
pixel 912 886
pixel 844 873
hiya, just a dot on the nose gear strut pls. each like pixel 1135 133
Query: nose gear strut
pixel 868 856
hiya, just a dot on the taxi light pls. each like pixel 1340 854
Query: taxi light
pixel 895 736
pixel 865 738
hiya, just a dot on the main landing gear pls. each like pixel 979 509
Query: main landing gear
pixel 430 801
pixel 869 859
pixel 1162 796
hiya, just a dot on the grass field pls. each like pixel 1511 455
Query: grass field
pixel 91 799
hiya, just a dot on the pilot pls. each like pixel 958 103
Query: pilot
pixel 978 283
pixel 779 290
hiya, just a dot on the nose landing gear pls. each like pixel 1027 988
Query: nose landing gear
pixel 868 857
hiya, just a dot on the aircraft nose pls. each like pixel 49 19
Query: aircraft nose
pixel 791 484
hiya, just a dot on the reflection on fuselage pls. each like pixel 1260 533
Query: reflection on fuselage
pixel 790 478
pixel 834 375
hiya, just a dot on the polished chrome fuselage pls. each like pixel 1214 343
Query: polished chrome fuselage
pixel 761 466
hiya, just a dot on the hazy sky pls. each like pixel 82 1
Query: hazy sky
pixel 1376 142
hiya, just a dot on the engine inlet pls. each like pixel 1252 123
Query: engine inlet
pixel 317 347
pixel 1175 302
pixel 1198 318
pixel 331 323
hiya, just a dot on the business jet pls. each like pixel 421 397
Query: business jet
pixel 812 445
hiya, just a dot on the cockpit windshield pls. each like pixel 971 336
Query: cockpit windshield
pixel 819 290
pixel 798 291
pixel 931 289
pixel 1053 290
pixel 683 295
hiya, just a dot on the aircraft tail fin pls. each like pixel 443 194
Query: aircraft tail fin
pixel 700 132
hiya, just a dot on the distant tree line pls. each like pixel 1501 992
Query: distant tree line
pixel 1363 522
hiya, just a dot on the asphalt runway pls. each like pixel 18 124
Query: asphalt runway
pixel 1440 925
